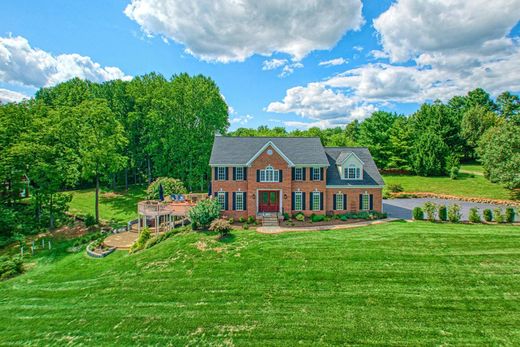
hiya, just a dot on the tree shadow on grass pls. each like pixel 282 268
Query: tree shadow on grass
pixel 229 238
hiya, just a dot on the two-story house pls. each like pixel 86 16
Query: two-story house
pixel 253 176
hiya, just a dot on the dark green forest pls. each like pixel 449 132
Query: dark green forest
pixel 117 133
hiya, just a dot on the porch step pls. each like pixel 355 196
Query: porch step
pixel 270 221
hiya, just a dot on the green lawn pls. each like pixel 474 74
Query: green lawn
pixel 466 185
pixel 118 207
pixel 393 284
pixel 472 169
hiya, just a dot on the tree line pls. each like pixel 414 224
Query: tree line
pixel 435 139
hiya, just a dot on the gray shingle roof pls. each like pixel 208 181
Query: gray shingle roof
pixel 371 174
pixel 232 150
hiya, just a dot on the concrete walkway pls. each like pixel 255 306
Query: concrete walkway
pixel 278 229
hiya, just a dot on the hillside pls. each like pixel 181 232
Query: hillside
pixel 428 284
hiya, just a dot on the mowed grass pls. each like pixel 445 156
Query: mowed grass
pixel 468 185
pixel 394 284
pixel 117 207
pixel 472 168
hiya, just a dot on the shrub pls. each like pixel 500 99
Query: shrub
pixel 221 226
pixel 299 217
pixel 418 213
pixel 454 214
pixel 286 216
pixel 10 267
pixel 443 213
pixel 343 218
pixel 143 237
pixel 241 219
pixel 454 172
pixel 202 214
pixel 499 217
pixel 231 220
pixel 90 220
pixel 395 188
pixel 430 209
pixel 317 218
pixel 170 186
pixel 488 215
pixel 245 226
pixel 474 216
pixel 510 215
pixel 386 194
pixel 251 220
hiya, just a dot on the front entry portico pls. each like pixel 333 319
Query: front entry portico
pixel 268 201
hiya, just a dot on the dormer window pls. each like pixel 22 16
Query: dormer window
pixel 352 172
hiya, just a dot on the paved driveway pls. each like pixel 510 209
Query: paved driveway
pixel 402 208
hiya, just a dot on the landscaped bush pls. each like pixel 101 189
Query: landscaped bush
pixel 170 186
pixel 90 220
pixel 231 220
pixel 488 215
pixel 430 209
pixel 454 172
pixel 510 215
pixel 317 218
pixel 143 237
pixel 10 267
pixel 241 220
pixel 474 216
pixel 443 213
pixel 205 212
pixel 499 217
pixel 299 217
pixel 395 188
pixel 418 213
pixel 286 216
pixel 221 226
pixel 245 226
pixel 454 214
pixel 251 220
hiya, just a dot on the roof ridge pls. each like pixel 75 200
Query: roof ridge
pixel 271 137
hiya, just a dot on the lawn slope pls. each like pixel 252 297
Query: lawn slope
pixel 396 283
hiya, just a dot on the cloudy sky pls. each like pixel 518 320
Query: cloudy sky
pixel 295 63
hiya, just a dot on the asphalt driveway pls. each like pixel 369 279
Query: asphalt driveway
pixel 402 208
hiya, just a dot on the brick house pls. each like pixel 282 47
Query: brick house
pixel 257 176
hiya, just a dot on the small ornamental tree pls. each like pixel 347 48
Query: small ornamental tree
pixel 474 216
pixel 443 213
pixel 170 186
pixel 430 209
pixel 488 215
pixel 221 226
pixel 454 214
pixel 499 217
pixel 510 215
pixel 205 212
pixel 418 213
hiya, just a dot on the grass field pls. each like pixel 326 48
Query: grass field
pixel 395 284
pixel 472 169
pixel 117 207
pixel 465 185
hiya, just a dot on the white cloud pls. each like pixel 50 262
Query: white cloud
pixel 11 96
pixel 230 30
pixel 273 64
pixel 289 69
pixel 241 120
pixel 333 62
pixel 410 28
pixel 22 64
pixel 358 48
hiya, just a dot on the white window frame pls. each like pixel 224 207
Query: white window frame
pixel 239 173
pixel 365 203
pixel 269 174
pixel 314 199
pixel 357 172
pixel 222 195
pixel 339 202
pixel 239 204
pixel 221 173
pixel 316 171
pixel 298 173
pixel 298 198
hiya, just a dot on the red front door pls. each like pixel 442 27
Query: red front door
pixel 269 201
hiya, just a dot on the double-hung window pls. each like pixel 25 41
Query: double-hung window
pixel 365 202
pixel 239 173
pixel 298 174
pixel 316 203
pixel 221 198
pixel 221 173
pixel 316 173
pixel 353 172
pixel 269 175
pixel 298 201
pixel 239 201
pixel 339 202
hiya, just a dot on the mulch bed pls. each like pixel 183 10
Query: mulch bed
pixel 454 197
pixel 308 223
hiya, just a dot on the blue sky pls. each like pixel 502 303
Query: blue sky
pixel 390 55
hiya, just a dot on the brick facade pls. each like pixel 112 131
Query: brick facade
pixel 286 187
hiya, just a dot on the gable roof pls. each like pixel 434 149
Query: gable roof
pixel 371 175
pixel 345 155
pixel 233 150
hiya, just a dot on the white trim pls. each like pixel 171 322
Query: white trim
pixel 348 156
pixel 264 147
pixel 352 186
pixel 280 197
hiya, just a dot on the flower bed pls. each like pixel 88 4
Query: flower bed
pixel 97 249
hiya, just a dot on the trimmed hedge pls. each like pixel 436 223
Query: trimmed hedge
pixel 418 213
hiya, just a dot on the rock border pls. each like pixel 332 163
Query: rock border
pixel 99 255
pixel 405 195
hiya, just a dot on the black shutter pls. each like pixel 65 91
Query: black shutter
pixel 304 173
pixel 311 198
pixel 216 173
pixel 303 201
pixel 334 202
pixel 321 174
pixel 345 202
pixel 292 174
pixel 245 173
pixel 360 201
pixel 244 198
pixel 227 173
pixel 234 201
pixel 280 175
pixel 293 202
pixel 258 175
pixel 234 173
pixel 226 201
pixel 371 202
pixel 321 201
